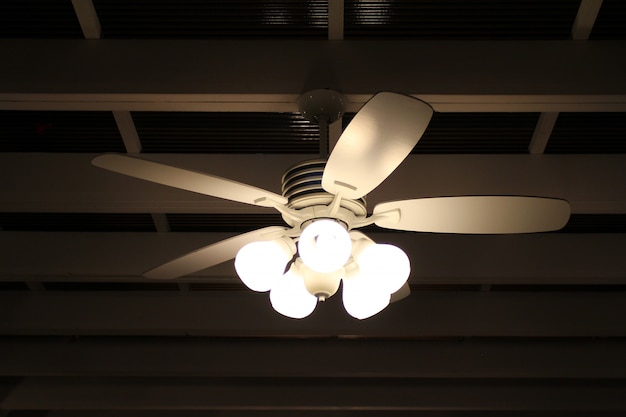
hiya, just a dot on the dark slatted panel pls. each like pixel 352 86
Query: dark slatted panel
pixel 460 19
pixel 578 223
pixel 77 222
pixel 218 286
pixel 13 286
pixel 611 21
pixel 38 19
pixel 588 133
pixel 59 131
pixel 176 132
pixel 222 222
pixel 559 288
pixel 213 19
pixel 444 287
pixel 476 133
pixel 596 223
pixel 111 286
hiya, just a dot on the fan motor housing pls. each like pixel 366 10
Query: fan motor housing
pixel 302 186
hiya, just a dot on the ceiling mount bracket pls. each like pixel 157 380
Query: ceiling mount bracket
pixel 323 105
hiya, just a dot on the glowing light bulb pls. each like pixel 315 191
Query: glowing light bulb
pixel 388 265
pixel 324 246
pixel 289 296
pixel 261 264
pixel 362 297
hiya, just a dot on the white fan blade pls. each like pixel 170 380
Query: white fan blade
pixel 475 214
pixel 212 255
pixel 377 140
pixel 402 293
pixel 188 180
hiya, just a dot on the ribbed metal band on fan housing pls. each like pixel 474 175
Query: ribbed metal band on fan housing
pixel 302 186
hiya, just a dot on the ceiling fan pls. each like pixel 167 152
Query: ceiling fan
pixel 323 204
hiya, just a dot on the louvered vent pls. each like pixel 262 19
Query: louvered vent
pixel 559 288
pixel 213 19
pixel 588 133
pixel 111 286
pixel 13 286
pixel 222 222
pixel 445 287
pixel 611 21
pixel 77 222
pixel 476 133
pixel 174 132
pixel 596 223
pixel 38 19
pixel 59 131
pixel 578 223
pixel 235 285
pixel 460 19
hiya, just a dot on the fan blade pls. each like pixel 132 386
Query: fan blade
pixel 475 214
pixel 211 255
pixel 188 180
pixel 401 294
pixel 377 140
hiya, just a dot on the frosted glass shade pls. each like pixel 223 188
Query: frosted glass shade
pixel 289 296
pixel 385 263
pixel 362 297
pixel 261 264
pixel 324 246
pixel 321 285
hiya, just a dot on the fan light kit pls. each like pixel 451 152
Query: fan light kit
pixel 323 204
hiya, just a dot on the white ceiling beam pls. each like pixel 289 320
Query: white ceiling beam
pixel 245 313
pixel 163 71
pixel 335 20
pixel 542 132
pixel 444 103
pixel 69 183
pixel 585 19
pixel 126 126
pixel 160 222
pixel 334 358
pixel 88 18
pixel 437 259
pixel 132 143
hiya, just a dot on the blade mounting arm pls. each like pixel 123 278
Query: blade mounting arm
pixel 391 216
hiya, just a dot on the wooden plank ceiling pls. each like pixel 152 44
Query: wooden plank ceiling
pixel 530 99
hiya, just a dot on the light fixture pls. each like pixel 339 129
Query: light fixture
pixel 362 297
pixel 290 297
pixel 324 245
pixel 322 202
pixel 261 264
pixel 386 265
pixel 328 255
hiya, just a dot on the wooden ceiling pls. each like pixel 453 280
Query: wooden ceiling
pixel 530 99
